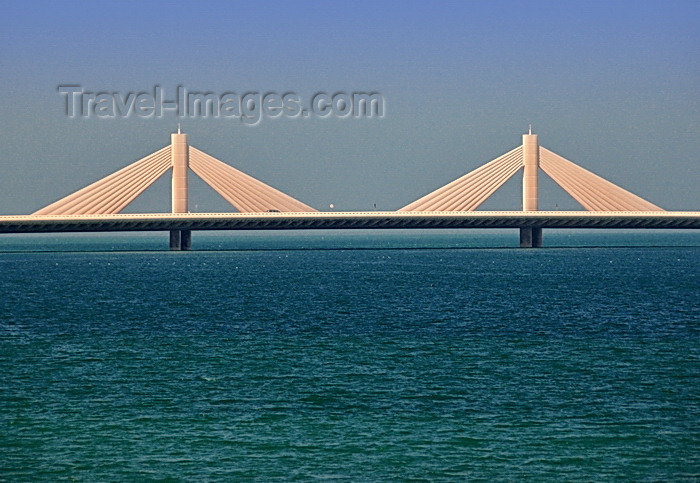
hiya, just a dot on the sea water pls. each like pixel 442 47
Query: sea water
pixel 358 356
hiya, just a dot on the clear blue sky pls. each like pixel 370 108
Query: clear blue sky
pixel 612 86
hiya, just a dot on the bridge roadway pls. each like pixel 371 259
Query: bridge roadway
pixel 347 220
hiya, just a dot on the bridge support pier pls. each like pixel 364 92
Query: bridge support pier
pixel 180 159
pixel 185 240
pixel 175 241
pixel 180 240
pixel 531 237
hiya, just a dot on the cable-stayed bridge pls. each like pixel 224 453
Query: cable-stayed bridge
pixel 98 207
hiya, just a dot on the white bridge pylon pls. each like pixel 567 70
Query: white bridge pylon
pixel 112 194
pixel 471 190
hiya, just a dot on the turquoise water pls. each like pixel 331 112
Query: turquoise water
pixel 353 356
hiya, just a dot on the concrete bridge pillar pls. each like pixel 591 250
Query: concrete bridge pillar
pixel 180 240
pixel 531 237
pixel 185 240
pixel 531 161
pixel 180 159
pixel 179 152
pixel 175 241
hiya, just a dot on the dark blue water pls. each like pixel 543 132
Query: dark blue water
pixel 352 358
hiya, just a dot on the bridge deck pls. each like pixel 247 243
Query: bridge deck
pixel 346 220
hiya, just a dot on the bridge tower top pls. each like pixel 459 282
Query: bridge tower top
pixel 180 156
pixel 531 163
